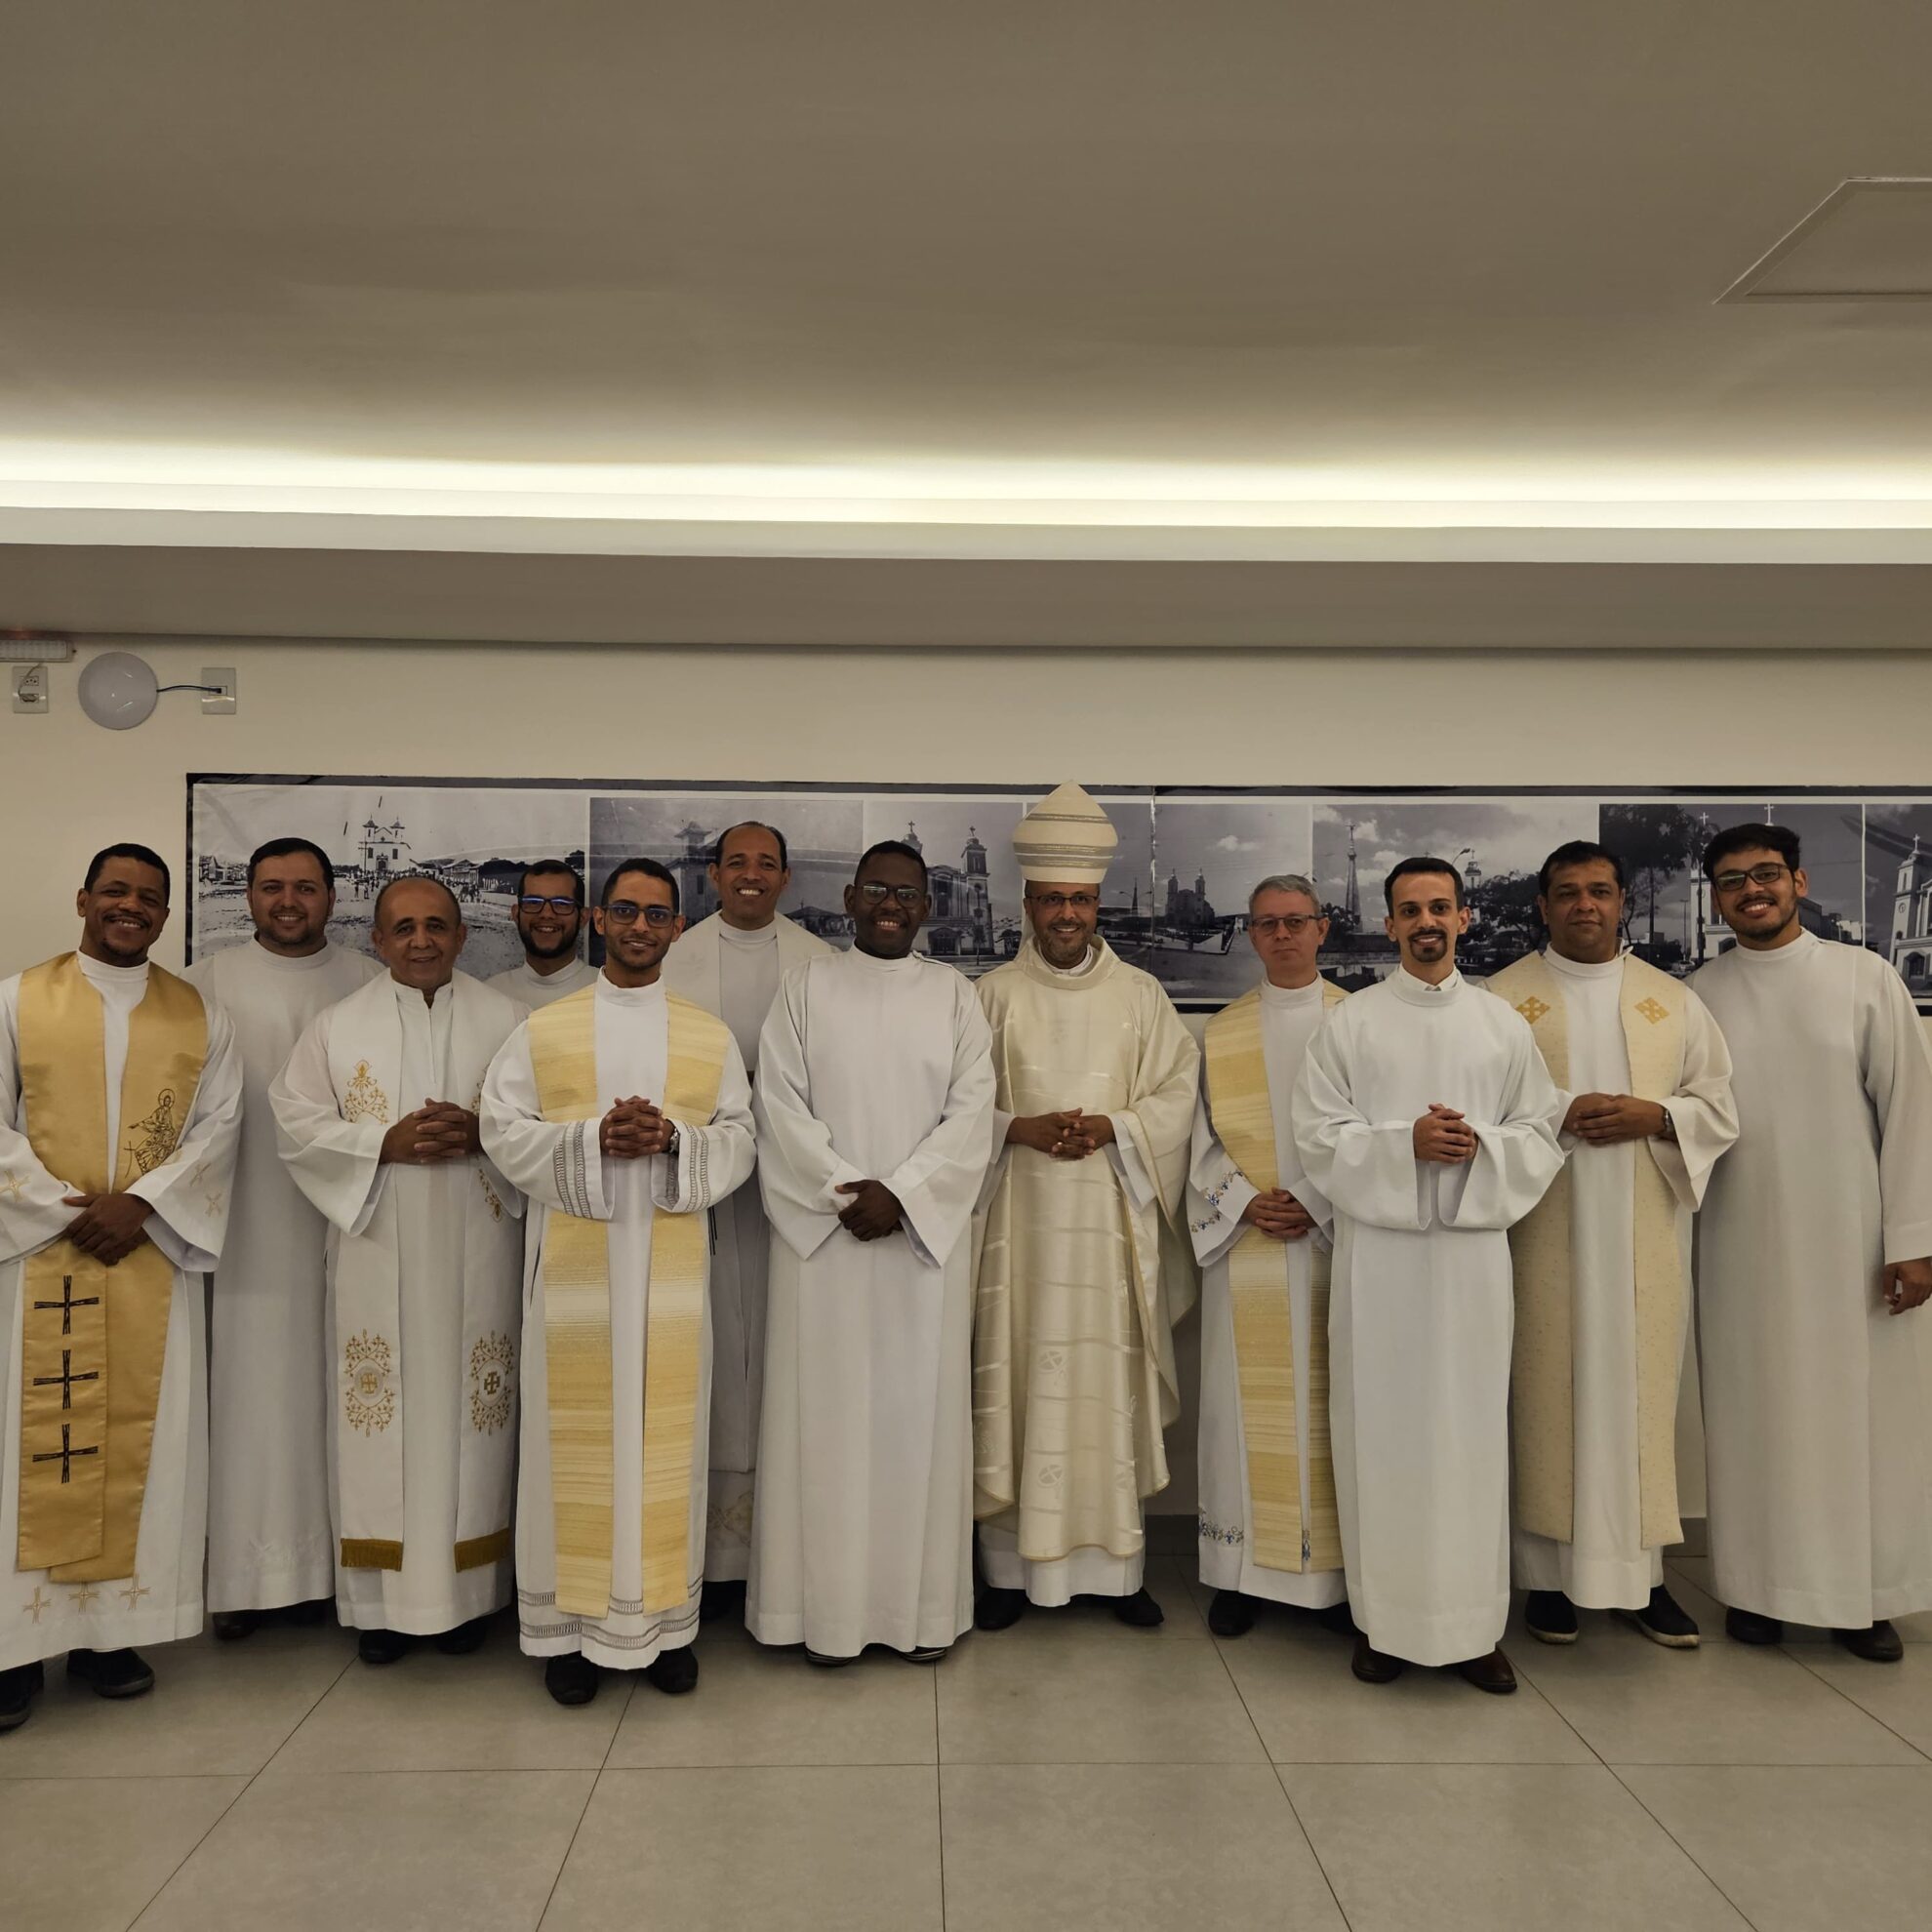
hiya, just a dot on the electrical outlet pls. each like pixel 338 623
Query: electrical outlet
pixel 219 702
pixel 31 689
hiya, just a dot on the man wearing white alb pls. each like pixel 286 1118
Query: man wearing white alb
pixel 548 917
pixel 1423 1114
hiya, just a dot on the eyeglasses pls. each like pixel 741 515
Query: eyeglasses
pixel 1294 924
pixel 625 912
pixel 535 904
pixel 1062 902
pixel 1765 875
pixel 876 892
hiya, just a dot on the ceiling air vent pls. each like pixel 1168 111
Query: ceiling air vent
pixel 1869 240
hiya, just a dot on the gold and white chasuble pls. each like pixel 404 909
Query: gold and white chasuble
pixel 1268 1523
pixel 424 1265
pixel 1073 1347
pixel 617 1332
pixel 112 1078
pixel 1602 1274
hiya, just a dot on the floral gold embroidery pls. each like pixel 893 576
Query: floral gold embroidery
pixel 369 1385
pixel 489 1193
pixel 365 1099
pixel 492 1383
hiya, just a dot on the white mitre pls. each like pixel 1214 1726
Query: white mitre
pixel 1065 838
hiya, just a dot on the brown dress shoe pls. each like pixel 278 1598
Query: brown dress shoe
pixel 1879 1644
pixel 1374 1666
pixel 1490 1674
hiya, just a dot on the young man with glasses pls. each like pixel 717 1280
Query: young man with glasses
pixel 1812 1272
pixel 548 915
pixel 1269 1531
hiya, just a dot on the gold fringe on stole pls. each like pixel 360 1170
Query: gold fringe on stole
pixel 577 1323
pixel 1264 1332
pixel 95 1338
pixel 479 1550
pixel 1543 1368
pixel 371 1552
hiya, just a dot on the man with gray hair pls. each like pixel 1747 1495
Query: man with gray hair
pixel 1261 1230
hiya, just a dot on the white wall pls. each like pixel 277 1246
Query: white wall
pixel 1006 716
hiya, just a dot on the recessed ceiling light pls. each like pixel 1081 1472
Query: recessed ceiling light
pixel 1869 240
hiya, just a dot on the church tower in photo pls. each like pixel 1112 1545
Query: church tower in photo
pixel 1912 918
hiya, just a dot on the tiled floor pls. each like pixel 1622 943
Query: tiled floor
pixel 1063 1774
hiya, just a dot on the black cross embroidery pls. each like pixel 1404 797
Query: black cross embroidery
pixel 66 1378
pixel 67 1303
pixel 66 1454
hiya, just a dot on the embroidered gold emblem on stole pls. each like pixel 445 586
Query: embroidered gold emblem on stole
pixel 365 1099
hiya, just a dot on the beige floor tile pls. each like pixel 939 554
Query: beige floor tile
pixel 1100 1703
pixel 1060 1847
pixel 1696 1569
pixel 848 1846
pixel 1494 1848
pixel 1636 1702
pixel 1310 1708
pixel 421 1850
pixel 487 1711
pixel 1899 1695
pixel 215 1708
pixel 85 1854
pixel 754 1706
pixel 1803 1848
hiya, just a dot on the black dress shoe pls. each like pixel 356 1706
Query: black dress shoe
pixel 721 1599
pixel 231 1625
pixel 1140 1610
pixel 1491 1673
pixel 1231 1614
pixel 999 1609
pixel 465 1638
pixel 927 1653
pixel 303 1616
pixel 1373 1666
pixel 1550 1617
pixel 381 1646
pixel 1879 1643
pixel 1747 1626
pixel 1664 1619
pixel 19 1686
pixel 112 1672
pixel 674 1672
pixel 571 1678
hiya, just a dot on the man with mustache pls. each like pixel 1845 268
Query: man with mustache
pixel 1073 1345
pixel 624 1115
pixel 270 1544
pixel 731 964
pixel 1602 1261
pixel 548 917
pixel 1813 1266
pixel 120 1101
pixel 377 1116
pixel 875 1106
pixel 1423 1114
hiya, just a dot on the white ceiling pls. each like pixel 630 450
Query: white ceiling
pixel 897 277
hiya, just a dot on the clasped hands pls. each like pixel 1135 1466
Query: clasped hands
pixel 109 1226
pixel 634 1129
pixel 1604 1119
pixel 1278 1215
pixel 1071 1133
pixel 1443 1136
pixel 437 1131
pixel 875 1212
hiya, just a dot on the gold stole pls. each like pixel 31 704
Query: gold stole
pixel 94 1337
pixel 1542 1380
pixel 576 1322
pixel 1263 1331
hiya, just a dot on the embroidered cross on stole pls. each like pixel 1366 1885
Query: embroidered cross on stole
pixel 576 1322
pixel 94 1337
pixel 1264 1332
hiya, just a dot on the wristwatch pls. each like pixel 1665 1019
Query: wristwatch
pixel 670 1145
pixel 1669 1130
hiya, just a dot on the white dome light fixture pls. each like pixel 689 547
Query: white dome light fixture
pixel 118 689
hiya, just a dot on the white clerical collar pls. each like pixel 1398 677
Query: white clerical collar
pixel 285 962
pixel 1584 969
pixel 1291 996
pixel 734 936
pixel 608 988
pixel 872 962
pixel 1419 992
pixel 404 995
pixel 100 973
pixel 1764 955
pixel 1085 966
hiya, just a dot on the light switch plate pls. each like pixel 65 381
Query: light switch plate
pixel 31 689
pixel 218 704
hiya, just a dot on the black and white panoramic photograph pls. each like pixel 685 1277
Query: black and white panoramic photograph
pixel 1497 844
pixel 475 838
pixel 1209 851
pixel 1671 918
pixel 1898 889
pixel 976 920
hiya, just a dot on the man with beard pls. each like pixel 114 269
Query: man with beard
pixel 874 1103
pixel 731 964
pixel 1423 1114
pixel 548 915
pixel 120 1096
pixel 1073 1345
pixel 376 1113
pixel 1812 1268
pixel 271 1545
pixel 1602 1261
pixel 624 1115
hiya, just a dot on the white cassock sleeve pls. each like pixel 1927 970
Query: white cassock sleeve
pixel 799 1170
pixel 1701 1109
pixel 1898 1081
pixel 1366 1168
pixel 31 1210
pixel 1517 1155
pixel 1217 1192
pixel 1152 1135
pixel 336 1163
pixel 937 1183
pixel 193 1190
pixel 716 1160
pixel 557 1162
